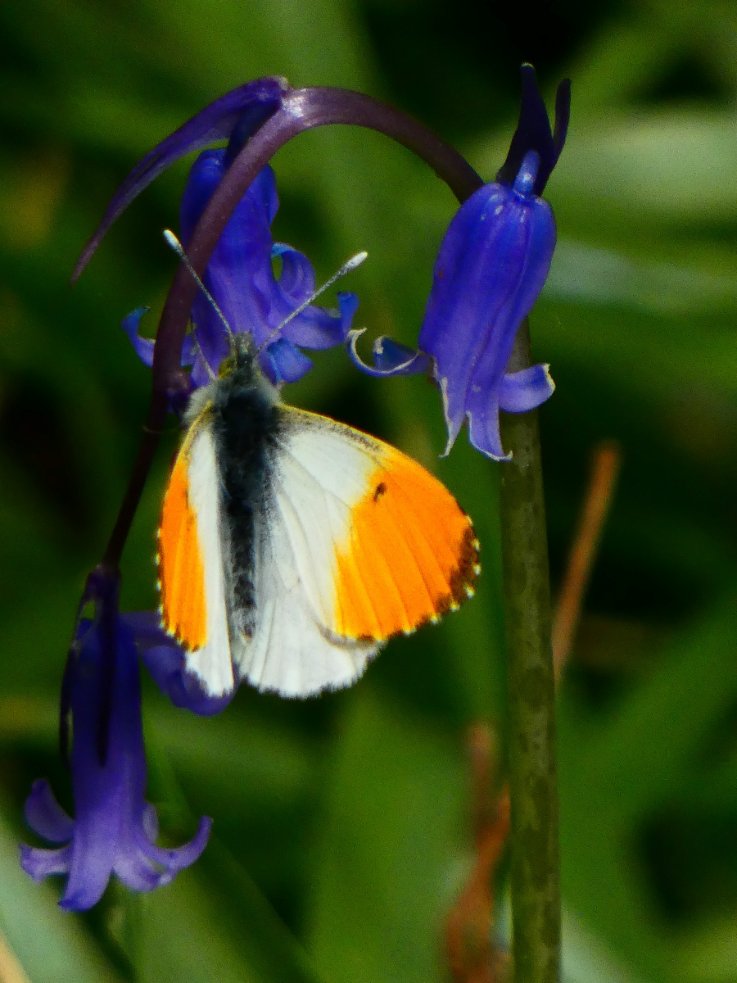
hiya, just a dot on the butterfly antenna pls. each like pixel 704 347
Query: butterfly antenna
pixel 350 264
pixel 173 242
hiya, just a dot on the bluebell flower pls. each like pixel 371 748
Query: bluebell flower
pixel 114 829
pixel 242 273
pixel 491 267
pixel 242 280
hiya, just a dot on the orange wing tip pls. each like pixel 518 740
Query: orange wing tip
pixel 383 590
pixel 177 636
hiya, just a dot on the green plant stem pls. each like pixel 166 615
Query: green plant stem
pixel 535 864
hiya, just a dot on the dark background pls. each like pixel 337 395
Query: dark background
pixel 342 830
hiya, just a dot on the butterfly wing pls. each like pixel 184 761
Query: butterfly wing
pixel 191 559
pixel 358 543
pixel 353 542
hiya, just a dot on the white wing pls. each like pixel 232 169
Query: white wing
pixel 316 474
pixel 354 542
pixel 345 556
pixel 191 569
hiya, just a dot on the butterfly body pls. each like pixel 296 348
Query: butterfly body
pixel 291 547
pixel 245 424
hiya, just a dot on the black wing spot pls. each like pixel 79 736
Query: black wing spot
pixel 379 491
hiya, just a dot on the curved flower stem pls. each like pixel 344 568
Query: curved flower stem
pixel 535 865
pixel 139 473
pixel 301 109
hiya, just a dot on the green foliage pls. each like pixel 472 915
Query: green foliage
pixel 342 830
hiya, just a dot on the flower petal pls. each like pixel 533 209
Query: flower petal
pixel 139 873
pixel 40 863
pixel 297 277
pixel 177 858
pixel 147 628
pixel 314 327
pixel 143 347
pixel 45 816
pixel 562 119
pixel 93 851
pixel 167 667
pixel 525 390
pixel 283 362
pixel 165 662
pixel 390 357
pixel 245 108
pixel 483 429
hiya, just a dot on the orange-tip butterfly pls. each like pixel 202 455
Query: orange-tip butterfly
pixel 291 546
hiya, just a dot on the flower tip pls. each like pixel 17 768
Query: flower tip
pixel 534 131
pixel 352 337
pixel 243 110
pixel 448 447
pixel 178 858
pixel 77 902
pixel 500 457
pixel 26 856
pixel 562 116
pixel 390 357
pixel 493 453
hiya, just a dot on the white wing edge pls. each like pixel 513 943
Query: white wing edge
pixel 211 663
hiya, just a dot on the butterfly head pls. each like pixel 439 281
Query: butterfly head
pixel 243 358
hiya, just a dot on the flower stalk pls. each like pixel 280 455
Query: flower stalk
pixel 535 862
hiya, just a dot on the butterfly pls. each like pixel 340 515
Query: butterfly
pixel 291 547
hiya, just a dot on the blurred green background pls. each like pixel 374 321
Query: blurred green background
pixel 342 825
